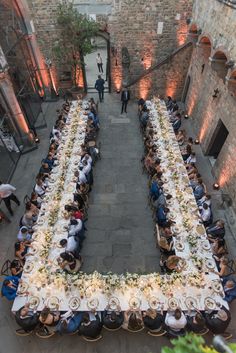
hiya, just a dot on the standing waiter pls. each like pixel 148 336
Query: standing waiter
pixel 125 97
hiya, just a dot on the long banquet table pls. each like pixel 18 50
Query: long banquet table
pixel 44 283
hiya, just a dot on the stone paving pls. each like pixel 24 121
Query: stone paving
pixel 120 228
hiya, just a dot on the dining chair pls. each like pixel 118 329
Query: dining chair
pixel 88 339
pixel 157 333
pixel 112 329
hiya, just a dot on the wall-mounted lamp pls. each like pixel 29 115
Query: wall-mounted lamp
pixel 216 93
pixel 196 141
pixel 216 186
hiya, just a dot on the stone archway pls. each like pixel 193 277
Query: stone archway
pixel 102 36
pixel 218 64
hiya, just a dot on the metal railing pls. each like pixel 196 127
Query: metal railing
pixel 230 3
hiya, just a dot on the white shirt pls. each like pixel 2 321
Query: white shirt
pixel 72 244
pixel 39 190
pixel 205 214
pixel 86 169
pixel 74 229
pixel 174 324
pixel 88 159
pixel 82 178
pixel 6 190
pixel 99 59
pixel 191 159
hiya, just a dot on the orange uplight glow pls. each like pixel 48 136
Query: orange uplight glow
pixel 79 77
pixel 171 90
pixel 53 79
pixel 206 121
pixel 144 87
pixel 181 33
pixel 117 77
pixel 191 104
pixel 227 172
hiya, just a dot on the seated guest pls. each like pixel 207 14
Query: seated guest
pixel 191 158
pixel 186 152
pixel 219 248
pixel 161 216
pixel 112 319
pixel 155 190
pixel 24 234
pixel 144 116
pixel 133 320
pixel 191 169
pixel 16 268
pixel 71 245
pixel 9 287
pixel 26 318
pixel 153 320
pixel 69 322
pixel 75 227
pixel 223 268
pixel 29 218
pixel 40 187
pixel 49 318
pixel 81 177
pixel 90 328
pixel 166 245
pixel 195 322
pixel 161 201
pixel 166 230
pixel 45 170
pixel 218 321
pixel 50 160
pixel 180 137
pixel 229 289
pixel 174 106
pixel 216 230
pixel 169 103
pixel 171 264
pixel 69 263
pixel 194 180
pixel 36 200
pixel 177 123
pixel 175 321
pixel 206 214
pixel 74 212
pixel 205 199
pixel 199 190
pixel 21 250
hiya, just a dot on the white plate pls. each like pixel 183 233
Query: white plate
pixel 22 288
pixel 34 302
pixel 206 245
pixel 114 303
pixel 191 302
pixel 210 303
pixel 74 303
pixel 92 303
pixel 53 303
pixel 28 267
pixel 173 303
pixel 154 303
pixel 179 246
pixel 134 303
pixel 210 264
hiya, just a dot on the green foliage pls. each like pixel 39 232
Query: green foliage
pixel 192 343
pixel 74 36
pixel 189 343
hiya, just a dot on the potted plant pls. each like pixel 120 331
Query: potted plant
pixel 73 42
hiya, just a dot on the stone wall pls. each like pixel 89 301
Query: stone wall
pixel 204 109
pixel 131 23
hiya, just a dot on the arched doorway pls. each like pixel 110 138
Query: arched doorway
pixel 101 45
pixel 218 64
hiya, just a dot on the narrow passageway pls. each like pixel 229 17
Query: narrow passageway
pixel 120 227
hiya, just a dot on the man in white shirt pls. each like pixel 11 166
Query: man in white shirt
pixel 87 158
pixel 176 320
pixel 99 62
pixel 81 177
pixel 205 211
pixel 6 194
pixel 86 167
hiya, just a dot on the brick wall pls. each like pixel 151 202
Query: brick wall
pixel 205 110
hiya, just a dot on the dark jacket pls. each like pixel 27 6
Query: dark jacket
pixel 112 324
pixel 215 325
pixel 153 324
pixel 123 96
pixel 194 327
pixel 99 85
pixel 93 329
pixel 28 323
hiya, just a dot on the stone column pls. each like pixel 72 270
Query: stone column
pixel 10 103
